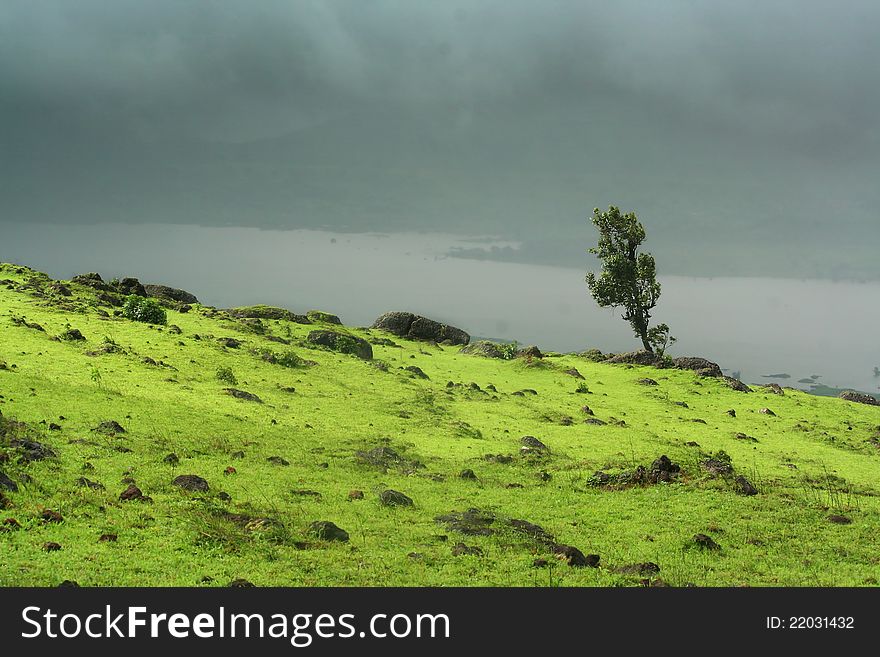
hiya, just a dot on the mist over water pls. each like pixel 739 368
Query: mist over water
pixel 757 326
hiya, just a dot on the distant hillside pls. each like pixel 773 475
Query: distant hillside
pixel 281 448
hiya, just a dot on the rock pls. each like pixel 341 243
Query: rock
pixel 731 413
pixel 277 460
pixel 531 351
pixel 51 546
pixel 60 288
pixel 595 421
pixel 355 494
pixel 131 493
pixel 387 458
pixel 643 569
pixel 342 343
pixel 241 394
pixel 49 515
pixel 701 366
pixel 10 524
pixel 483 348
pixel 647 382
pixel 566 421
pixel 682 404
pixel 473 522
pixel 859 397
pixel 130 286
pixel 739 435
pixel 774 388
pixel 171 459
pixel 240 584
pixel 328 531
pixel 705 542
pixel 83 482
pixel 460 549
pixel 108 538
pixel 638 358
pixel 662 469
pixel 190 482
pixel 394 498
pixel 73 335
pixel 575 558
pixel 533 443
pixel 7 483
pixel 416 372
pixel 230 343
pixel 736 384
pixel 69 584
pixel 408 325
pixel 169 293
pixel 839 520
pixel 586 410
pixel 320 316
pixel 717 466
pixel 767 411
pixel 744 486
pixel 573 372
pixel 467 474
pixel 532 531
pixel 109 428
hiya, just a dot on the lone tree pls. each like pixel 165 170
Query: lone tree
pixel 628 278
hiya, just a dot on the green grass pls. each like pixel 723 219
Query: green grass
pixel 816 457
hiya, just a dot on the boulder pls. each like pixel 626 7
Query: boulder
pixel 170 293
pixel 342 342
pixel 321 316
pixel 129 286
pixel 92 280
pixel 416 327
pixel 531 351
pixel 268 312
pixel 638 358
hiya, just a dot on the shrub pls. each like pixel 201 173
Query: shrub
pixel 509 350
pixel 285 359
pixel 142 309
pixel 226 375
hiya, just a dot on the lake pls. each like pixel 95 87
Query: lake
pixel 757 326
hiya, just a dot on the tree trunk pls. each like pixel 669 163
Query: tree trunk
pixel 644 336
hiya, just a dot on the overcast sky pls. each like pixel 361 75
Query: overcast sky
pixel 748 126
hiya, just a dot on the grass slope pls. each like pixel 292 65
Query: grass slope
pixel 815 458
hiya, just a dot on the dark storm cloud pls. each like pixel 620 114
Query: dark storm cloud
pixel 587 102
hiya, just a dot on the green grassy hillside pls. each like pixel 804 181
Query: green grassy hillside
pixel 322 435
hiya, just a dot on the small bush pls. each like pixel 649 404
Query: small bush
pixel 226 375
pixel 509 350
pixel 142 309
pixel 582 388
pixel 285 359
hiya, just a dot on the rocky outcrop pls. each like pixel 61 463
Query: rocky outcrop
pixel 268 312
pixel 483 348
pixel 342 342
pixel 701 366
pixel 638 358
pixel 416 327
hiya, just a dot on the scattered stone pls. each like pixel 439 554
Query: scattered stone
pixel 131 493
pixel 744 486
pixel 328 531
pixel 718 465
pixel 241 394
pixel 355 495
pixel 237 455
pixel 774 388
pixel 566 421
pixel 171 459
pixel 767 411
pixel 839 519
pixel 513 485
pixel 108 538
pixel 705 542
pixel 230 343
pixel 229 470
pixel 130 286
pixel 540 563
pixel 109 428
pixel 387 458
pixel 468 474
pixel 502 459
pixel 73 335
pixel 575 558
pixel 473 522
pixel 595 421
pixel 682 404
pixel 416 372
pixel 84 482
pixel 531 444
pixel 10 524
pixel 278 460
pixel 731 413
pixel 573 372
pixel 692 443
pixel 240 584
pixel 460 549
pixel 69 584
pixel 532 531
pixel 394 498
pixel 647 382
pixel 49 515
pixel 7 483
pixel 638 358
pixel 741 436
pixel 191 482
pixel 51 546
pixel 408 325
pixel 587 410
pixel 643 569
